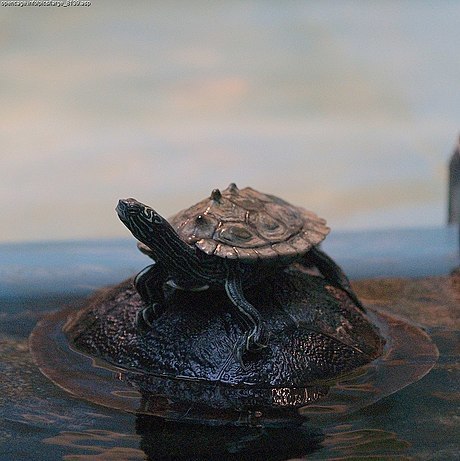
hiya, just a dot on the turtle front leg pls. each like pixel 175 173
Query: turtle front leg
pixel 256 337
pixel 331 272
pixel 149 284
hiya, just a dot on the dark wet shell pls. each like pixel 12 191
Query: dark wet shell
pixel 316 334
pixel 248 225
pixel 185 370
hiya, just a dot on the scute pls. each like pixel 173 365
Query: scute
pixel 239 235
pixel 289 215
pixel 249 202
pixel 271 229
pixel 226 251
pixel 249 225
pixel 198 227
pixel 207 245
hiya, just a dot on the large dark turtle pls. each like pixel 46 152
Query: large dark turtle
pixel 233 239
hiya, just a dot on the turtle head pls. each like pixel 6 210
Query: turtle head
pixel 156 234
pixel 143 222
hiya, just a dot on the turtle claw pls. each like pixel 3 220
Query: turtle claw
pixel 257 339
pixel 241 352
pixel 146 317
pixel 247 347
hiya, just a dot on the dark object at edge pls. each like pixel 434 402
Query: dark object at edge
pixel 454 187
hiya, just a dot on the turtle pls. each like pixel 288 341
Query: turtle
pixel 233 239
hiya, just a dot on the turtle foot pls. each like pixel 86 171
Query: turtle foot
pixel 147 316
pixel 248 347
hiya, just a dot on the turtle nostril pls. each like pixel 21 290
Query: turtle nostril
pixel 121 207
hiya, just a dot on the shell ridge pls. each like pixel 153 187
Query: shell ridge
pixel 249 225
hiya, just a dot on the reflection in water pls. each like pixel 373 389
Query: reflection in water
pixel 102 445
pixel 163 440
pixel 295 397
pixel 359 444
pixel 159 439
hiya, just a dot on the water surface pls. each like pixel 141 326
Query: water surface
pixel 38 420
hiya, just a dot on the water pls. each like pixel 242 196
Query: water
pixel 38 420
pixel 408 355
pixel 347 108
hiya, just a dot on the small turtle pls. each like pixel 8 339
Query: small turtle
pixel 233 239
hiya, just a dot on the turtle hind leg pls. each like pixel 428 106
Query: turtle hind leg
pixel 255 338
pixel 149 284
pixel 332 273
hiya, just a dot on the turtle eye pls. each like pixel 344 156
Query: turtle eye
pixel 133 209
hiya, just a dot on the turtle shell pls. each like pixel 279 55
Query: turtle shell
pixel 246 224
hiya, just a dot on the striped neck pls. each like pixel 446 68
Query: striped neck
pixel 177 258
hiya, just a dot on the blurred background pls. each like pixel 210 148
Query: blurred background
pixel 348 108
